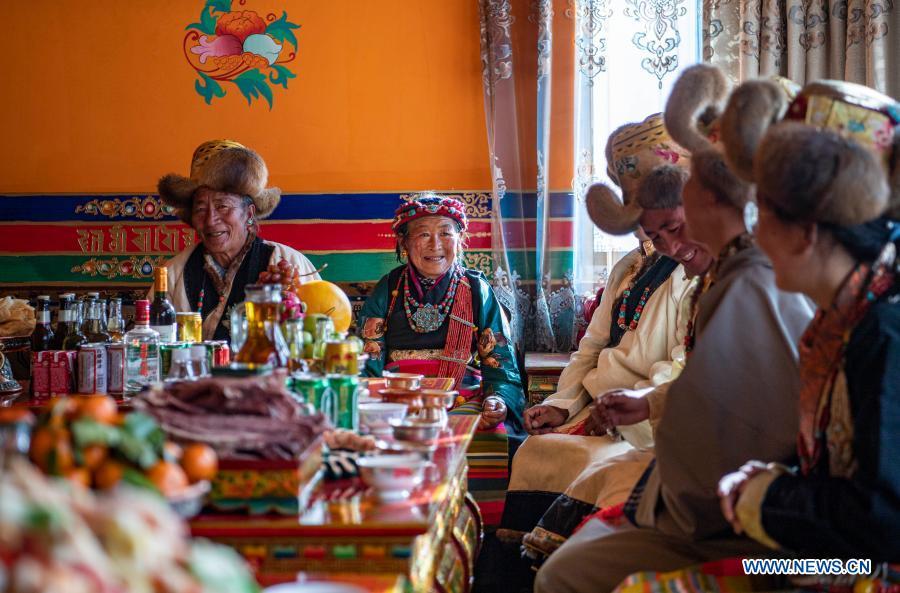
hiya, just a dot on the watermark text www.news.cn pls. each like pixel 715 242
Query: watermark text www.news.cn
pixel 807 566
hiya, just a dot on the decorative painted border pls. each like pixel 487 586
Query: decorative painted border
pixel 116 240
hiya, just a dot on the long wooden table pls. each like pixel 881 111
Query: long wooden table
pixel 429 541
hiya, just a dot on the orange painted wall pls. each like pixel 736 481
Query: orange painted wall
pixel 98 97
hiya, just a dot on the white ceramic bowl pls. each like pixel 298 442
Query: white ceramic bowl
pixel 392 476
pixel 377 416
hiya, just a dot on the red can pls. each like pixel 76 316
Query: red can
pixel 219 353
pixel 62 372
pixel 40 373
pixel 115 382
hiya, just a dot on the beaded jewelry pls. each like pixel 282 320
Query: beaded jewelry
pixel 637 310
pixel 425 318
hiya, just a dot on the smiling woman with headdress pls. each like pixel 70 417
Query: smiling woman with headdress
pixel 432 316
pixel 223 200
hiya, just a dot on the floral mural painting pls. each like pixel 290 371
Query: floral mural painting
pixel 240 47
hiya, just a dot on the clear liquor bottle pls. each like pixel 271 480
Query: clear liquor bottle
pixel 115 325
pixel 42 336
pixel 94 327
pixel 142 361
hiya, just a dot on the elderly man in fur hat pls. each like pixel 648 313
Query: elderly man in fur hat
pixel 630 343
pixel 735 398
pixel 223 200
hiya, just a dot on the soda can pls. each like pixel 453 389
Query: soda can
pixel 190 327
pixel 314 390
pixel 40 373
pixel 346 394
pixel 340 358
pixel 62 372
pixel 165 357
pixel 115 382
pixel 92 368
pixel 222 353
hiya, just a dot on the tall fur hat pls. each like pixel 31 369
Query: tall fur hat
pixel 694 117
pixel 632 152
pixel 221 165
pixel 859 113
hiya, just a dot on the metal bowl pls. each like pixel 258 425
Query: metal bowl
pixel 410 381
pixel 416 430
pixel 438 398
pixel 392 447
pixel 412 399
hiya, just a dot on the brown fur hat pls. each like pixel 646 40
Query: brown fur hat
pixel 632 152
pixel 866 116
pixel 751 109
pixel 221 165
pixel 818 175
pixel 694 106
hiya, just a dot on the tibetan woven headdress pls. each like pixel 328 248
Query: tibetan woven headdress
pixel 632 152
pixel 430 204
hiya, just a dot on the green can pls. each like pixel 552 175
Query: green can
pixel 165 356
pixel 346 391
pixel 315 390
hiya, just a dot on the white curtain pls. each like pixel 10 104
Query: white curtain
pixel 628 53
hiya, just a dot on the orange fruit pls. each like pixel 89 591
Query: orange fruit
pixel 200 462
pixel 108 474
pixel 79 475
pixel 320 296
pixel 168 477
pixel 16 414
pixel 51 450
pixel 94 455
pixel 98 407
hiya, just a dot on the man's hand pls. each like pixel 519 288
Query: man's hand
pixel 731 486
pixel 620 407
pixel 493 412
pixel 543 418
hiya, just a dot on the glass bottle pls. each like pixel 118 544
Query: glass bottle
pixel 265 343
pixel 162 313
pixel 181 368
pixel 93 323
pixel 42 336
pixel 141 351
pixel 66 302
pixel 115 325
pixel 200 360
pixel 74 336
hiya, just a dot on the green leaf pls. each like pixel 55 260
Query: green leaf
pixel 207 22
pixel 90 432
pixel 140 425
pixel 282 30
pixel 252 84
pixel 136 478
pixel 220 5
pixel 210 89
pixel 283 75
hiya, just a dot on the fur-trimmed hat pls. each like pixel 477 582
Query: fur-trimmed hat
pixel 853 111
pixel 221 165
pixel 632 152
pixel 694 117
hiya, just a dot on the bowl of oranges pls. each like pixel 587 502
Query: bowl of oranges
pixel 88 441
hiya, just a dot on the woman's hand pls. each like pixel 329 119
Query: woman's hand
pixel 731 486
pixel 493 412
pixel 620 407
pixel 543 418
